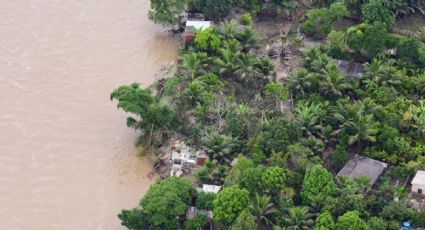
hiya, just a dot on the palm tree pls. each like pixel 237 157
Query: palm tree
pixel 363 128
pixel 299 81
pixel 393 77
pixel 209 81
pixel 220 146
pixel 314 144
pixel 332 82
pixel 262 208
pixel 246 66
pixel 233 45
pixel 227 30
pixel 320 63
pixel 308 118
pixel 248 38
pixel 298 218
pixel 192 63
pixel 378 73
pixel 266 66
pixel 354 120
pixel 318 203
pixel 312 55
pixel 193 92
pixel 227 62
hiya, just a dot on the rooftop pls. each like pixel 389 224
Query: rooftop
pixel 190 25
pixel 363 166
pixel 349 68
pixel 419 178
pixel 211 188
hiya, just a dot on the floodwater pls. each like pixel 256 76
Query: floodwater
pixel 67 159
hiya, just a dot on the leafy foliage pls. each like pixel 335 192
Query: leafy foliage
pixel 165 200
pixel 229 204
pixel 317 182
pixel 167 12
pixel 377 11
pixel 351 221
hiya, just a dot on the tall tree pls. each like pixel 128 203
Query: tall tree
pixel 351 221
pixel 377 11
pixel 167 12
pixel 149 113
pixel 324 222
pixel 317 182
pixel 273 179
pixel 164 201
pixel 229 203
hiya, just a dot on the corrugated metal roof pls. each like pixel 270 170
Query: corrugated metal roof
pixel 419 178
pixel 363 166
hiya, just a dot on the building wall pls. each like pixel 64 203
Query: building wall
pixel 415 188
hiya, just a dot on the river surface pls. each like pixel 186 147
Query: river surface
pixel 67 159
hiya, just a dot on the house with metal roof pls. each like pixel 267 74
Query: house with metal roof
pixel 360 166
pixel 418 182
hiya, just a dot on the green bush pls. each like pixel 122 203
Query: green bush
pixel 207 40
pixel 376 11
pixel 196 223
pixel 212 9
pixel 318 23
pixel 340 157
pixel 204 200
pixel 246 19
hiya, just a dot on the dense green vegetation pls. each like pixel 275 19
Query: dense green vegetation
pixel 224 99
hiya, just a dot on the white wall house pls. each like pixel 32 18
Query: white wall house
pixel 418 182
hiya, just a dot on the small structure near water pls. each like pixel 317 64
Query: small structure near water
pixel 182 158
pixel 363 166
pixel 191 26
pixel 418 183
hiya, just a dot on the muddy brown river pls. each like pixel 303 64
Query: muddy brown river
pixel 67 159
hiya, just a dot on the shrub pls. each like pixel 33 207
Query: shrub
pixel 340 157
pixel 212 9
pixel 207 40
pixel 376 11
pixel 338 10
pixel 409 50
pixel 229 203
pixel 318 23
pixel 246 19
pixel 196 223
pixel 369 40
pixel 204 200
